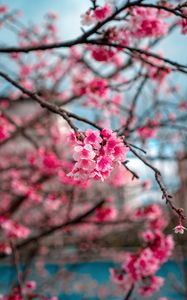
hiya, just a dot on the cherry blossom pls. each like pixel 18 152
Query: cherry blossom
pixel 147 23
pixel 179 229
pixel 97 155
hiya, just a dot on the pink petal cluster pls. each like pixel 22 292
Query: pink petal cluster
pixel 148 23
pixel 97 86
pixel 30 285
pixel 87 18
pixel 151 286
pixel 13 230
pixel 102 53
pixel 5 248
pixel 183 22
pixel 150 129
pixel 120 176
pixel 96 154
pixel 179 229
pixel 99 14
pixel 141 267
pixel 150 212
pixel 113 35
pixel 118 35
pixel 44 158
pixel 105 213
pixel 97 92
pixel 5 128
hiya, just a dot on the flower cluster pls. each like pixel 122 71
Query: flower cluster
pixel 142 266
pixel 96 154
pixel 12 229
pixel 118 35
pixel 95 89
pixel 44 158
pixel 183 22
pixel 102 53
pixel 148 23
pixel 179 229
pixel 98 14
pixel 149 130
pixel 5 128
pixel 105 213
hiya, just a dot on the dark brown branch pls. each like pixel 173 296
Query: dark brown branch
pixel 175 11
pixel 129 293
pixel 134 175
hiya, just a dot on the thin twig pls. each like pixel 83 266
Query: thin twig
pixel 165 194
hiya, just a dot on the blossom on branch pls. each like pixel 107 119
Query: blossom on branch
pixel 96 154
pixel 179 229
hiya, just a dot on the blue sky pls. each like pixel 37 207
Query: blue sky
pixel 69 12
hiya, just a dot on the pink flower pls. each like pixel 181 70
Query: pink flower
pixel 147 132
pixel 120 176
pixel 5 248
pixel 15 230
pixel 119 36
pixel 101 13
pixel 148 236
pixel 104 163
pixel 25 71
pixel 117 278
pixel 147 264
pixel 3 133
pixel 150 212
pixel 3 9
pixel 96 155
pixel 147 23
pixel 97 86
pixel 26 83
pixel 140 268
pixel 87 18
pixel 5 128
pixel 179 229
pixel 31 285
pixel 86 164
pixel 183 22
pixel 85 152
pixel 154 285
pixel 106 213
pixel 93 138
pixel 102 53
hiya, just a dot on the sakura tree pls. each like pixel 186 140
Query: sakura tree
pixel 77 118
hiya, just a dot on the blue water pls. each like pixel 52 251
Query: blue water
pixel 96 271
